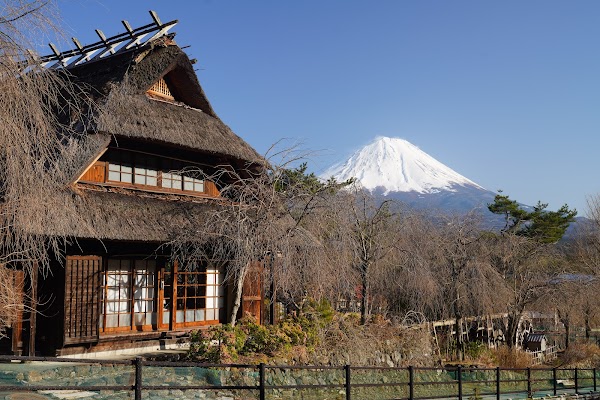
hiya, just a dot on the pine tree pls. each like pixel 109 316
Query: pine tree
pixel 540 224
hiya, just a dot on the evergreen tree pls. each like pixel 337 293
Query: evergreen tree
pixel 540 224
pixel 298 179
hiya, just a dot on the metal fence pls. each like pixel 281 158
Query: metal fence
pixel 138 376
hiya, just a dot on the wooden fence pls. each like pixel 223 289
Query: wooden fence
pixel 260 381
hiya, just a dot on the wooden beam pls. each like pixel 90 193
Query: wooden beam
pixel 33 309
pixel 154 16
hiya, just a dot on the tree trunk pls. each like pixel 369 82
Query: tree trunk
pixel 364 294
pixel 237 301
pixel 512 328
pixel 586 318
pixel 588 328
pixel 460 343
pixel 564 318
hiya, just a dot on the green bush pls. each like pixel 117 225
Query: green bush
pixel 226 343
pixel 474 350
pixel 217 344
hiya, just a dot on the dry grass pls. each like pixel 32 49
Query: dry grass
pixel 506 357
pixel 377 343
pixel 582 355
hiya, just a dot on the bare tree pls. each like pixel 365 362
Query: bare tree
pixel 586 246
pixel 367 231
pixel 262 220
pixel 585 256
pixel 526 267
pixel 38 111
pixel 470 284
pixel 407 279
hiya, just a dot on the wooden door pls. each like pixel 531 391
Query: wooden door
pixel 252 293
pixel 82 294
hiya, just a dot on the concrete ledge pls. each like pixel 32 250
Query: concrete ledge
pixel 153 347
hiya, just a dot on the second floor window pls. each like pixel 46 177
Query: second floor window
pixel 120 173
pixel 140 169
pixel 193 184
pixel 172 181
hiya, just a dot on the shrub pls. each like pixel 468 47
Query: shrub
pixel 506 357
pixel 217 344
pixel 474 350
pixel 226 343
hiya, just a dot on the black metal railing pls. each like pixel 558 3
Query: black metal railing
pixel 260 381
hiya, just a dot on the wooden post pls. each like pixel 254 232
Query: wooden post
pixel 138 378
pixel 33 309
pixel 160 308
pixel 272 303
pixel 174 274
pixel 460 386
pixel 348 382
pixel 529 392
pixel 261 381
pixel 411 382
pixel 497 383
pixel 17 325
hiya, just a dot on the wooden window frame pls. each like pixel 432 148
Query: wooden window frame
pixel 168 295
pixel 132 264
pixel 137 161
pixel 121 170
pixel 182 295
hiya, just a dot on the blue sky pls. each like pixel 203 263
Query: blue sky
pixel 506 93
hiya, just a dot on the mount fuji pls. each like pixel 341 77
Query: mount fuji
pixel 396 169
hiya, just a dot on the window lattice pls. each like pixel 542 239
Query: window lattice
pixel 161 89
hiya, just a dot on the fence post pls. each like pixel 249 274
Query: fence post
pixel 411 382
pixel 554 376
pixel 459 377
pixel 348 383
pixel 594 372
pixel 497 383
pixel 529 393
pixel 261 381
pixel 138 378
pixel 576 382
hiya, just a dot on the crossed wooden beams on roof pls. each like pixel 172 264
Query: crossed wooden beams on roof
pixel 106 47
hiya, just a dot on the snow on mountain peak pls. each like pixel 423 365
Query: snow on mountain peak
pixel 396 165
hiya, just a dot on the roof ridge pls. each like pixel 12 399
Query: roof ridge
pixel 131 39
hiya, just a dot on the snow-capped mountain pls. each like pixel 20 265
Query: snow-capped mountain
pixel 395 168
pixel 396 165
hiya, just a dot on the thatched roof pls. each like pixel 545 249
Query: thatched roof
pixel 136 116
pixel 118 85
pixel 120 111
pixel 113 214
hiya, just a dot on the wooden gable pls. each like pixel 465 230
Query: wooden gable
pixel 160 89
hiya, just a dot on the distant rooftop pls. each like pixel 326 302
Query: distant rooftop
pixel 131 39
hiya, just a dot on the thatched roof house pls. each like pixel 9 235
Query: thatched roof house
pixel 140 170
